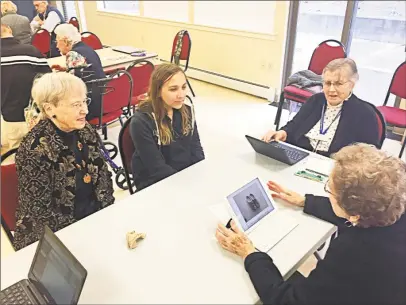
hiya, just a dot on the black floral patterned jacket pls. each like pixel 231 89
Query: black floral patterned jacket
pixel 46 181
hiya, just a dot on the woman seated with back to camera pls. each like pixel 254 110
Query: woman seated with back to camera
pixel 82 61
pixel 366 263
pixel 333 119
pixel 163 129
pixel 62 176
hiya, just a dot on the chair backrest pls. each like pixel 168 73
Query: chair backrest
pixel 325 52
pixel 91 40
pixel 186 47
pixel 9 194
pixel 42 41
pixel 398 83
pixel 127 148
pixel 75 22
pixel 140 72
pixel 117 92
pixel 381 125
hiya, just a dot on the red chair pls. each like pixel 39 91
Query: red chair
pixel 184 53
pixel 91 40
pixel 116 98
pixel 9 195
pixel 126 147
pixel 140 72
pixel 75 22
pixel 396 116
pixel 322 55
pixel 42 41
pixel 381 125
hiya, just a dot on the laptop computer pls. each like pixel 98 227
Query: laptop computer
pixel 256 214
pixel 55 276
pixel 277 150
pixel 128 49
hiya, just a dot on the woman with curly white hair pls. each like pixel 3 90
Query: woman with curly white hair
pixel 366 263
pixel 81 60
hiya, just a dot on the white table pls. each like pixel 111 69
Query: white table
pixel 179 261
pixel 109 58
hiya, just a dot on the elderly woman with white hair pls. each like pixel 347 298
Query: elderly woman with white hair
pixel 333 118
pixel 78 54
pixel 19 25
pixel 366 263
pixel 62 176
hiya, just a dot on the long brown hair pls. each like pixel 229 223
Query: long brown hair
pixel 154 102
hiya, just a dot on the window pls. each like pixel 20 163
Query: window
pixel 251 16
pixel 124 7
pixel 69 9
pixel 168 10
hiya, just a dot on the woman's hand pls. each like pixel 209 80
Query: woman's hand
pixel 58 68
pixel 280 135
pixel 236 242
pixel 285 194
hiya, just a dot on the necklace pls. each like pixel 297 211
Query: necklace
pixel 82 167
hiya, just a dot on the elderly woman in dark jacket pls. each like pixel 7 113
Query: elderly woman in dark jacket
pixel 333 119
pixel 365 264
pixel 62 176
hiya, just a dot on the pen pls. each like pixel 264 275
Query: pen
pixel 310 170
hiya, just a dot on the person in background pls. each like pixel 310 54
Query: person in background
pixel 62 176
pixel 333 119
pixel 163 129
pixel 48 18
pixel 366 263
pixel 20 25
pixel 17 77
pixel 78 54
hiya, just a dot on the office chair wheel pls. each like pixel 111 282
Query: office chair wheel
pixel 121 181
pixel 112 149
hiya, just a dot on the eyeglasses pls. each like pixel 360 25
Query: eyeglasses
pixel 336 85
pixel 79 105
pixel 327 188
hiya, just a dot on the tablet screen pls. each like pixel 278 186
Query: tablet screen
pixel 250 203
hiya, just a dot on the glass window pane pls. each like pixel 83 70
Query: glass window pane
pixel 168 10
pixel 131 7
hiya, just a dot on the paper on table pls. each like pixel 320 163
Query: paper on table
pixel 220 212
pixel 320 165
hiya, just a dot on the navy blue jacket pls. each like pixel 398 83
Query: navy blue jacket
pixel 358 123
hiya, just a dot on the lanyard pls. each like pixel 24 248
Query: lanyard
pixel 323 111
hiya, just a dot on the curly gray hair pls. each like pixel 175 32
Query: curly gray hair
pixel 371 184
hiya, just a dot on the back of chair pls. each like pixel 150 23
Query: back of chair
pixel 325 52
pixel 398 83
pixel 9 195
pixel 381 125
pixel 186 47
pixel 117 92
pixel 75 22
pixel 91 40
pixel 126 146
pixel 42 41
pixel 140 72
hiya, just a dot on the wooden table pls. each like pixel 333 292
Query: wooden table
pixel 110 59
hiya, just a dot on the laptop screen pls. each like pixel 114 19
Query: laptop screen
pixel 250 203
pixel 55 271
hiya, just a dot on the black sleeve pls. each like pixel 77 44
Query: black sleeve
pixel 269 284
pixel 307 108
pixel 196 146
pixel 143 138
pixel 43 67
pixel 320 207
pixel 368 130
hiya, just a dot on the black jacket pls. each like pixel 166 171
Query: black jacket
pixel 363 266
pixel 20 63
pixel 358 123
pixel 152 162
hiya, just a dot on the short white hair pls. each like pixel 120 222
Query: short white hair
pixel 8 7
pixel 69 32
pixel 54 87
